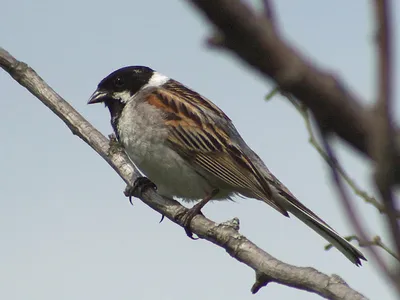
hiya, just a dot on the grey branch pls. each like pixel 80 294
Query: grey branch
pixel 267 268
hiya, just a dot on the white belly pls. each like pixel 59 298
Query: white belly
pixel 172 176
pixel 144 141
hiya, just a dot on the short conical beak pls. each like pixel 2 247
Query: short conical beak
pixel 97 97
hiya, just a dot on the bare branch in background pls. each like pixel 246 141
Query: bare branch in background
pixel 382 142
pixel 224 235
pixel 255 41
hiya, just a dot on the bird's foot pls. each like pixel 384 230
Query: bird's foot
pixel 139 186
pixel 187 217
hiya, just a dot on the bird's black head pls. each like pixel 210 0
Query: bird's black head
pixel 121 85
pixel 118 88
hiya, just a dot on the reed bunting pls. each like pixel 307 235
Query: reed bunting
pixel 190 149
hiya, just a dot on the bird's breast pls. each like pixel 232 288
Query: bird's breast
pixel 141 131
pixel 143 134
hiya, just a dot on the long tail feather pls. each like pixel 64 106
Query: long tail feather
pixel 319 226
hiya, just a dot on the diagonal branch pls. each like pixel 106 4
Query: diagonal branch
pixel 225 235
pixel 256 42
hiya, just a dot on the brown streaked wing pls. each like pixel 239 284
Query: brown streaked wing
pixel 191 97
pixel 195 135
pixel 200 150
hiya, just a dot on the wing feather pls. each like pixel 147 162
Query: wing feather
pixel 198 131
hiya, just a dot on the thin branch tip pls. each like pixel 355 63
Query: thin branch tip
pixel 261 281
pixel 217 40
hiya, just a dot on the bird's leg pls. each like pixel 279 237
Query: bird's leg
pixel 195 210
pixel 139 186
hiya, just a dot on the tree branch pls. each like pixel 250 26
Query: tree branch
pixel 382 144
pixel 255 41
pixel 225 235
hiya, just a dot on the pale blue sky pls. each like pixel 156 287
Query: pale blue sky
pixel 67 230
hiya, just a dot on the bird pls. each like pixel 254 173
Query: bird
pixel 190 149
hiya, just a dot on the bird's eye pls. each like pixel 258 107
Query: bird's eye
pixel 119 82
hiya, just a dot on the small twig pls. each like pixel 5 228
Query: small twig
pixel 261 281
pixel 272 93
pixel 216 40
pixel 376 241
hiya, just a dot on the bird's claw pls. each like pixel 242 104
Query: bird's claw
pixel 186 219
pixel 162 219
pixel 139 186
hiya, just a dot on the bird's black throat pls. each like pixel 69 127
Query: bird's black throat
pixel 115 107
